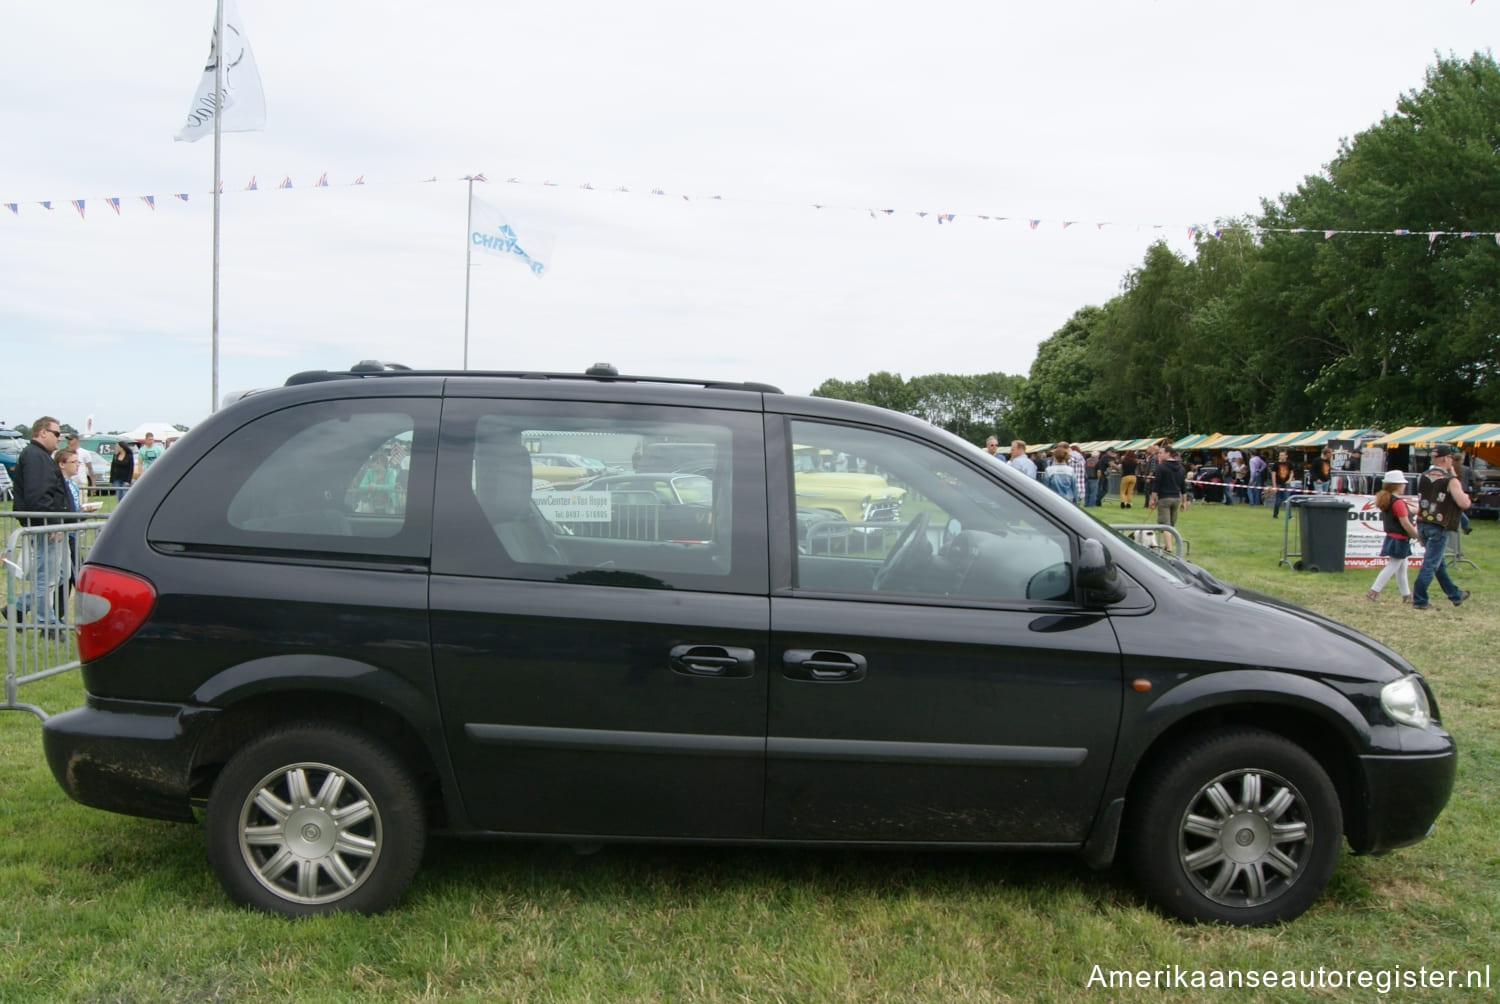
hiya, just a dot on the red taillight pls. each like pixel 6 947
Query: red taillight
pixel 109 605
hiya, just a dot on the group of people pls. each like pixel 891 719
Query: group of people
pixel 1084 478
pixel 1435 512
pixel 52 475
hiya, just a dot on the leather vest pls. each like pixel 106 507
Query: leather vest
pixel 1435 504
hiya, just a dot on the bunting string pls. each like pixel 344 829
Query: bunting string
pixel 1191 230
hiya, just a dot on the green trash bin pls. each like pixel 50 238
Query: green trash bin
pixel 1323 525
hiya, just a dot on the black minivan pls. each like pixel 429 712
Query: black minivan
pixel 342 613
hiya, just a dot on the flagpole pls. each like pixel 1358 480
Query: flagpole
pixel 468 267
pixel 213 404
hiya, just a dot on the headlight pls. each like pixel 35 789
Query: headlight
pixel 1405 700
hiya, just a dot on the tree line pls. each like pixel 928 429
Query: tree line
pixel 1264 329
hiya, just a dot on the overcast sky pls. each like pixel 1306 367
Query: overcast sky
pixel 1146 116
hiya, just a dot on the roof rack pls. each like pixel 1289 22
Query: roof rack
pixel 602 372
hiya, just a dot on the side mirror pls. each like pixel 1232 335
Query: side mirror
pixel 1097 573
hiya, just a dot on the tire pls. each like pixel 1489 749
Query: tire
pixel 1239 828
pixel 315 818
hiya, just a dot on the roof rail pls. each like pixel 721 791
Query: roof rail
pixel 602 372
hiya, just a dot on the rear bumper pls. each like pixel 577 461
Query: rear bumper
pixel 127 757
pixel 1405 794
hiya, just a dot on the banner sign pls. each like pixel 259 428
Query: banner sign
pixel 1365 534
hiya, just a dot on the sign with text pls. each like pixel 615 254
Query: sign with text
pixel 573 507
pixel 1365 534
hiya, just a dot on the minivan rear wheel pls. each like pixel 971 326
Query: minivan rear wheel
pixel 1240 828
pixel 314 818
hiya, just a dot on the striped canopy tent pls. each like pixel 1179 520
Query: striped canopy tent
pixel 1274 439
pixel 1039 447
pixel 1220 441
pixel 1482 439
pixel 1195 439
pixel 1324 436
pixel 1141 444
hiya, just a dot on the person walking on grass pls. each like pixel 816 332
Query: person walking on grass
pixel 1441 499
pixel 1395 520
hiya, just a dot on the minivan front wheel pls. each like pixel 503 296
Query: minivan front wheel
pixel 1241 828
pixel 313 818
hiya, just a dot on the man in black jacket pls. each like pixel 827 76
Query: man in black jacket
pixel 40 488
pixel 1167 493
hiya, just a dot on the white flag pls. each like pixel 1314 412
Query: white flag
pixel 243 102
pixel 491 231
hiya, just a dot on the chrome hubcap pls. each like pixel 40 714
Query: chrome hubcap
pixel 1245 837
pixel 310 833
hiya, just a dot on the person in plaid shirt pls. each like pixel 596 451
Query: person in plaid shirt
pixel 1080 467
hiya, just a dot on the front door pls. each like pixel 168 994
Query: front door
pixel 934 679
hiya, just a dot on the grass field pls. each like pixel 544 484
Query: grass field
pixel 99 907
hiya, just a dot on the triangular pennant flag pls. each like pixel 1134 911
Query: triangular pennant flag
pixel 1398 233
pixel 1067 224
pixel 286 182
pixel 78 205
pixel 252 187
pixel 46 205
pixel 184 196
pixel 114 204
pixel 14 207
pixel 475 177
pixel 1328 234
pixel 322 180
pixel 1034 224
pixel 1432 236
pixel 358 181
pixel 1192 232
pixel 150 201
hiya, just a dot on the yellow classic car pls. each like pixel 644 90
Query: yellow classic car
pixel 858 498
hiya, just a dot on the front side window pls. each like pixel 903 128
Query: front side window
pixel 602 494
pixel 879 513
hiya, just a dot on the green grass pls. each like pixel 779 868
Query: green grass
pixel 109 908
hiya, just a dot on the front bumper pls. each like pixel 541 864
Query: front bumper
pixel 1404 795
pixel 124 756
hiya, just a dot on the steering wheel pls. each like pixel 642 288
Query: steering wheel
pixel 905 556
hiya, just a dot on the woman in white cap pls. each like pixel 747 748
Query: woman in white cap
pixel 1400 531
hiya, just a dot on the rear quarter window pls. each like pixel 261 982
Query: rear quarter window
pixel 332 477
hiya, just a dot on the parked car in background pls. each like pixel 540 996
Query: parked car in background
pixel 321 686
pixel 563 469
pixel 1486 490
pixel 651 507
pixel 103 448
pixel 11 445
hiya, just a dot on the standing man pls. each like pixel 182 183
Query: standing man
pixel 1282 476
pixel 1020 461
pixel 150 452
pixel 40 487
pixel 86 461
pixel 1166 493
pixel 1080 467
pixel 1257 478
pixel 992 447
pixel 1441 500
pixel 1147 474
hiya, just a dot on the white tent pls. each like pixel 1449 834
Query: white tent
pixel 163 432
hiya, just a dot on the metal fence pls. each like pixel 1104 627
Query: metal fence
pixel 41 563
